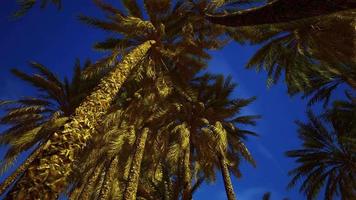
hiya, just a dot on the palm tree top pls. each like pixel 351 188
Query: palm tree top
pixel 182 35
pixel 281 11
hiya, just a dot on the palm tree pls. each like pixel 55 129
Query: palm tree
pixel 131 113
pixel 327 158
pixel 132 184
pixel 61 148
pixel 166 134
pixel 221 127
pixel 226 177
pixel 152 156
pixel 181 36
pixel 281 11
pixel 32 120
pixel 180 45
pixel 200 146
pixel 147 106
pixel 298 50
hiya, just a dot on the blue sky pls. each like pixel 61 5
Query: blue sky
pixel 57 38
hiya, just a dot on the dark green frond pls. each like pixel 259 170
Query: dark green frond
pixel 133 8
pixel 324 160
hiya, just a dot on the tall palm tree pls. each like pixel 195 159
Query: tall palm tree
pixel 182 36
pixel 180 41
pixel 282 11
pixel 147 106
pixel 217 145
pixel 32 120
pixel 131 111
pixel 327 158
pixel 56 160
pixel 132 184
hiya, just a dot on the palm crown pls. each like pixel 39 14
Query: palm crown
pixel 328 154
pixel 300 51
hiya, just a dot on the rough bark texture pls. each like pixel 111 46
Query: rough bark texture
pixel 227 180
pixel 133 179
pixel 89 186
pixel 47 175
pixel 280 11
pixel 9 180
pixel 78 189
pixel 105 191
pixel 99 184
pixel 187 185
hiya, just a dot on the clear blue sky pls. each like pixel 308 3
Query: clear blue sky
pixel 57 38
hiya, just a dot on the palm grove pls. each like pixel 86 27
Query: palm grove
pixel 150 106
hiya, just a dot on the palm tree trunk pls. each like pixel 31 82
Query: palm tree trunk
pixel 167 190
pixel 133 179
pixel 99 184
pixel 105 192
pixel 20 170
pixel 281 11
pixel 78 188
pixel 47 176
pixel 89 186
pixel 187 186
pixel 227 180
